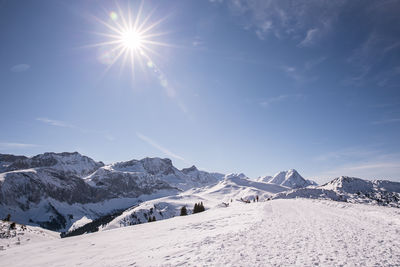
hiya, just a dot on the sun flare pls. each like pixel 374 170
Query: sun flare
pixel 130 38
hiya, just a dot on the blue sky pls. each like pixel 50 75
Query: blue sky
pixel 250 86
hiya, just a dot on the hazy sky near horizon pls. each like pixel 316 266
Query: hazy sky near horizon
pixel 252 86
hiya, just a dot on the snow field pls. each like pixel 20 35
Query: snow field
pixel 282 232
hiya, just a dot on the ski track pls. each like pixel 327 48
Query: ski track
pixel 296 232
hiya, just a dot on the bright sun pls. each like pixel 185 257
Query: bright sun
pixel 130 38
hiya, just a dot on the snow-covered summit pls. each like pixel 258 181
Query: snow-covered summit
pixel 349 185
pixel 290 178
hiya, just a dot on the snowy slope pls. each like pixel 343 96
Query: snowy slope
pixel 264 179
pixel 272 233
pixel 233 189
pixel 22 235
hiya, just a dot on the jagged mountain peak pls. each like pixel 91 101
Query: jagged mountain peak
pixel 190 169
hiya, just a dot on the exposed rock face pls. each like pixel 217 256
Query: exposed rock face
pixel 7 159
pixel 202 177
pixel 69 163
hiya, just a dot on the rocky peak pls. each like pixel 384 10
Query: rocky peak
pixel 147 165
pixel 190 169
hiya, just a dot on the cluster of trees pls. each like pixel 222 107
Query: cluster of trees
pixel 151 219
pixel 198 207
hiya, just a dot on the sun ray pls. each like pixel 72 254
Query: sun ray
pixel 131 38
pixel 135 25
pixel 151 26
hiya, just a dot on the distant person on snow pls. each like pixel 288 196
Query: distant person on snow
pixel 257 198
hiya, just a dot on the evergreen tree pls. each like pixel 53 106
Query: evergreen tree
pixel 202 207
pixel 154 218
pixel 183 211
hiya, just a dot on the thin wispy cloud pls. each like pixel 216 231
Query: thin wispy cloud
pixel 11 145
pixel 162 149
pixel 386 121
pixel 299 20
pixel 198 42
pixel 370 59
pixel 363 162
pixel 64 124
pixel 300 75
pixel 312 63
pixel 304 73
pixel 353 153
pixel 55 122
pixel 20 68
pixel 310 38
pixel 280 98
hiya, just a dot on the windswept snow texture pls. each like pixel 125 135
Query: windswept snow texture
pixel 300 232
pixel 234 188
pixel 290 178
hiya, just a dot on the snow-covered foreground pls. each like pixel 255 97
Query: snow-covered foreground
pixel 22 234
pixel 278 232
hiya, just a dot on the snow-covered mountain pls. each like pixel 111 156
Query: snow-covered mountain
pixel 66 191
pixel 290 178
pixel 55 190
pixel 350 189
pixel 232 189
